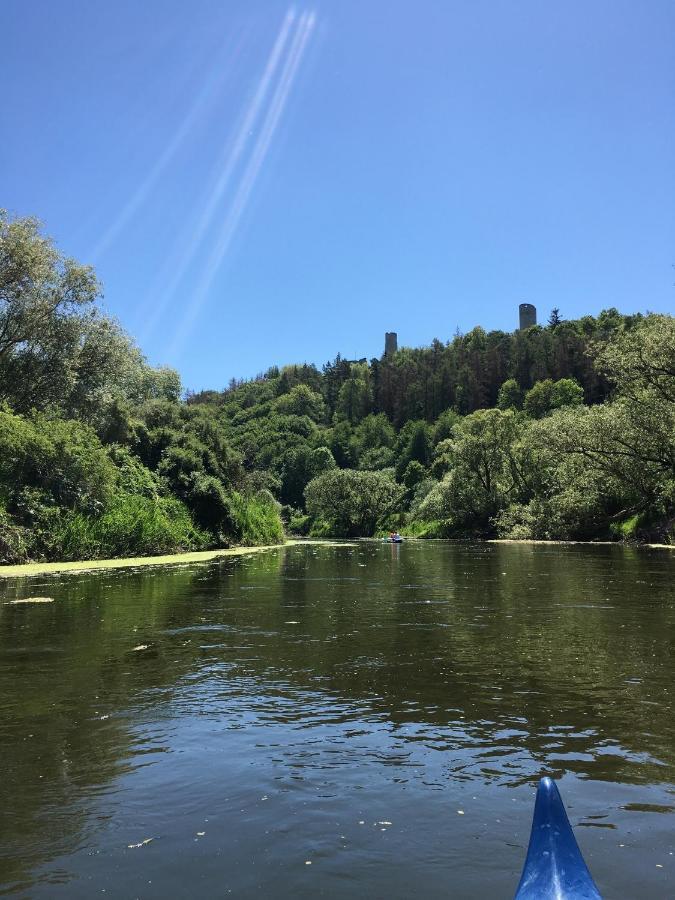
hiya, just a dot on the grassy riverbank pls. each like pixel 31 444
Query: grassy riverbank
pixel 28 570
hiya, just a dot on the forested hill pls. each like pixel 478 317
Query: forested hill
pixel 464 374
pixel 554 432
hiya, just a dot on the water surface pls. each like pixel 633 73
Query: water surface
pixel 338 721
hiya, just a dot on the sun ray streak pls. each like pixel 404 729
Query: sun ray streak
pixel 211 89
pixel 250 175
pixel 232 158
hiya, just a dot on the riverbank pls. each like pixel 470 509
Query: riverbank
pixel 582 543
pixel 27 570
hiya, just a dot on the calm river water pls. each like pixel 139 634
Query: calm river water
pixel 339 721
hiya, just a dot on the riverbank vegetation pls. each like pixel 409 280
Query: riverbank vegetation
pixel 561 431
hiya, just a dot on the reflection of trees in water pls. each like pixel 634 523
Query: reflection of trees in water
pixel 526 637
pixel 72 689
pixel 556 650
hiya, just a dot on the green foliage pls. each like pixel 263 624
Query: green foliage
pixel 413 445
pixel 488 471
pixel 129 526
pixel 548 395
pixel 413 475
pixel 355 397
pixel 14 541
pixel 99 455
pixel 300 465
pixel 510 395
pixel 351 503
pixel 58 352
pixel 61 458
pixel 301 401
pixel 257 519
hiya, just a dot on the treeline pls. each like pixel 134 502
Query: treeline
pixel 564 431
pixel 576 441
pixel 98 455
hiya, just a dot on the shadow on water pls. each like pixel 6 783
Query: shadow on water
pixel 326 680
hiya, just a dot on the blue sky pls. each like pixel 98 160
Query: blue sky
pixel 259 183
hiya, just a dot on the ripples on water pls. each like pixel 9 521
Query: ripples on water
pixel 346 721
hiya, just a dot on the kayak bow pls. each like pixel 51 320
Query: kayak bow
pixel 554 868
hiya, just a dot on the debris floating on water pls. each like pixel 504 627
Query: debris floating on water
pixel 142 844
pixel 32 600
pixel 140 647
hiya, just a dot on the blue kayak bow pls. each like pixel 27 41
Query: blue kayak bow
pixel 554 868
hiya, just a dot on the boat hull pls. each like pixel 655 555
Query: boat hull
pixel 554 868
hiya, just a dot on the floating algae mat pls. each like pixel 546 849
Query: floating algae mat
pixel 32 600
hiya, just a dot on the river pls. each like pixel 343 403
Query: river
pixel 359 720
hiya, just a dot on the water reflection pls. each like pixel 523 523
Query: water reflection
pixel 290 696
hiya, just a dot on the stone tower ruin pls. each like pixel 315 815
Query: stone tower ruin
pixel 528 315
pixel 390 343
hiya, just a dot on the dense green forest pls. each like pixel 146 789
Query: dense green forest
pixel 562 431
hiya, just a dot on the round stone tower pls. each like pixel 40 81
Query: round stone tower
pixel 390 343
pixel 528 315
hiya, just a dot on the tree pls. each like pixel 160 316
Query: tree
pixel 301 401
pixel 354 398
pixel 555 318
pixel 414 443
pixel 413 475
pixel 641 361
pixel 510 395
pixel 488 471
pixel 352 504
pixel 300 466
pixel 57 350
pixel 38 286
pixel 548 395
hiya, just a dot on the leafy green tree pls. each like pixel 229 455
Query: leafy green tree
pixel 342 443
pixel 488 472
pixel 39 288
pixel 354 399
pixel 640 361
pixel 300 466
pixel 301 401
pixel 413 475
pixel 414 444
pixel 444 426
pixel 548 395
pixel 351 503
pixel 510 395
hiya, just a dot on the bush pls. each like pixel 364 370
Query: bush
pixel 13 541
pixel 130 526
pixel 256 518
pixel 351 503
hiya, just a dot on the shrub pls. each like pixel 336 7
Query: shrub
pixel 352 503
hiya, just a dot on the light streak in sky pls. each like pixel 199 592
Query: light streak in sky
pixel 210 90
pixel 228 165
pixel 250 174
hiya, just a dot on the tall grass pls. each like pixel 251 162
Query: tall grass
pixel 257 518
pixel 130 526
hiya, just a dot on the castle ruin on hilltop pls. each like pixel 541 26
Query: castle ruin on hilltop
pixel 527 317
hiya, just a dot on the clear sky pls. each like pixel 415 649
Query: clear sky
pixel 258 183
